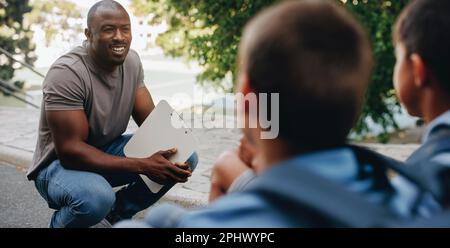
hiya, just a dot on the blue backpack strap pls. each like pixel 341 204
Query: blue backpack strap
pixel 441 220
pixel 327 202
pixel 435 176
pixel 438 142
pixel 381 164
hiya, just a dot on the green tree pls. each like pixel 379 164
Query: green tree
pixel 56 18
pixel 209 31
pixel 15 38
pixel 202 30
pixel 381 102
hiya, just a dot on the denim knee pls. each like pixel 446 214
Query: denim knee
pixel 93 204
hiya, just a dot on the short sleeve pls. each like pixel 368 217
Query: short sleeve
pixel 141 75
pixel 63 90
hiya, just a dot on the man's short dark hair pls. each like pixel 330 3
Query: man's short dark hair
pixel 424 28
pixel 318 57
pixel 103 4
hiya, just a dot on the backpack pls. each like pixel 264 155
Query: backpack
pixel 332 205
pixel 433 176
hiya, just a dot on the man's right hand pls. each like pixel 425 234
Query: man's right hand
pixel 159 169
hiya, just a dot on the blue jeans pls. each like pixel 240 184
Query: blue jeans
pixel 83 199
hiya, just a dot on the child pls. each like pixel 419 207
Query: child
pixel 318 58
pixel 422 77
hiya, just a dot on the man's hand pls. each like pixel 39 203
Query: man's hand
pixel 158 168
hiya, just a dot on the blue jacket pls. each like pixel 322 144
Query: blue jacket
pixel 441 122
pixel 254 207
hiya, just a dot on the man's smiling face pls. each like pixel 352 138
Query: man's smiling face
pixel 110 36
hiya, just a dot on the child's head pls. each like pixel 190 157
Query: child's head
pixel 422 44
pixel 318 58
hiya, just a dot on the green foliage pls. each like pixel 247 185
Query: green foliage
pixel 203 30
pixel 209 31
pixel 15 37
pixel 381 104
pixel 56 16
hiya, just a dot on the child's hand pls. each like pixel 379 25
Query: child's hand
pixel 246 152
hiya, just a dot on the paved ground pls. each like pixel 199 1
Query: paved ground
pixel 21 205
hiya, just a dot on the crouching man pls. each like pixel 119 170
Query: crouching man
pixel 89 95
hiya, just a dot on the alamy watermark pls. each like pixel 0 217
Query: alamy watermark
pixel 259 106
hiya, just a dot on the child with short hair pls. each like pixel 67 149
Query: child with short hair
pixel 318 58
pixel 422 77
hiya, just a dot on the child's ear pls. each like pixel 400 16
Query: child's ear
pixel 419 70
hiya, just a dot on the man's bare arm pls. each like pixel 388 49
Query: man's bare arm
pixel 143 105
pixel 70 130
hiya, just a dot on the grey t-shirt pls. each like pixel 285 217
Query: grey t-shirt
pixel 74 82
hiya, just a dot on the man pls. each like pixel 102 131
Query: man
pixel 89 95
pixel 318 58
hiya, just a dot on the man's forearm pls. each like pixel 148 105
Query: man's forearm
pixel 81 156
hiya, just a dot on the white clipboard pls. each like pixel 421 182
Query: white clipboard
pixel 163 129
